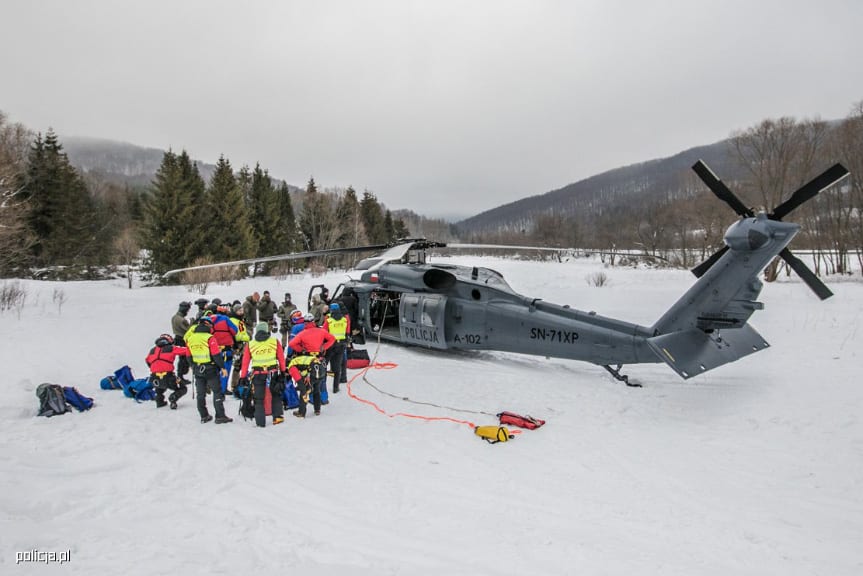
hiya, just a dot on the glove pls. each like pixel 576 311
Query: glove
pixel 224 373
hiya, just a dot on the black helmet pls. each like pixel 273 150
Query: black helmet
pixel 201 302
pixel 164 340
pixel 217 301
pixel 185 306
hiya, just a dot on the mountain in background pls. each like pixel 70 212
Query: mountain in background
pixel 604 193
pixel 124 163
pixel 608 191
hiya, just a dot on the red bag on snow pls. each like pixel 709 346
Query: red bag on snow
pixel 514 419
pixel 358 358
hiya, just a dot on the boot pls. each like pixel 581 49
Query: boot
pixel 223 419
pixel 160 402
pixel 278 420
pixel 206 419
pixel 298 414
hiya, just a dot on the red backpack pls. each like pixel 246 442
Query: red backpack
pixel 514 419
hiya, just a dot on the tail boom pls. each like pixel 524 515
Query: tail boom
pixel 707 327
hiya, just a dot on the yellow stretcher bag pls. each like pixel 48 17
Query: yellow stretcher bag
pixel 493 434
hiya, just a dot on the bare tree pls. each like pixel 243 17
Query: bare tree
pixel 127 248
pixel 779 155
pixel 15 237
pixel 847 146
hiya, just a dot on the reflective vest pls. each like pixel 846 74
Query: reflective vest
pixel 263 353
pixel 242 335
pixel 199 345
pixel 338 328
pixel 302 363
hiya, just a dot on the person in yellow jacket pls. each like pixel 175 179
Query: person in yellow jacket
pixel 339 325
pixel 207 365
pixel 309 373
pixel 265 357
pixel 241 338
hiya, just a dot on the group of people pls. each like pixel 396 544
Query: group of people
pixel 219 349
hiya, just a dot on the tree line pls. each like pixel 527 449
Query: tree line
pixel 673 214
pixel 54 223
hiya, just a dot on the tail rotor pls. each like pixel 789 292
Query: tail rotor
pixel 805 193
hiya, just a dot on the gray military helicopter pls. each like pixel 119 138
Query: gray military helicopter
pixel 402 297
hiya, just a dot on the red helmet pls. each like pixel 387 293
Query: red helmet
pixel 164 340
pixel 296 317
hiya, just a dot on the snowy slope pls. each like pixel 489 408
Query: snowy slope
pixel 754 468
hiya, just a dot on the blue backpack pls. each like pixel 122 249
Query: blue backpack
pixel 290 396
pixel 120 379
pixel 76 399
pixel 141 390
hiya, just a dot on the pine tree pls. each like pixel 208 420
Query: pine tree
pixel 194 195
pixel 288 236
pixel 227 228
pixel 264 212
pixel 317 221
pixel 62 214
pixel 373 218
pixel 350 221
pixel 167 213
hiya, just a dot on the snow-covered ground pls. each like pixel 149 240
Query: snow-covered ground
pixel 753 468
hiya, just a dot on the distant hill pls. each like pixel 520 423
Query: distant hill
pixel 124 163
pixel 604 192
pixel 133 165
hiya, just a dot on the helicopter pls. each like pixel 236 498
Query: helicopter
pixel 402 297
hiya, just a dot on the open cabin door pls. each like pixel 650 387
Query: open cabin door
pixel 421 320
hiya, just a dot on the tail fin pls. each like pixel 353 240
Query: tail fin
pixel 707 326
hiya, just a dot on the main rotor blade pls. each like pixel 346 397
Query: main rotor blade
pixel 720 189
pixel 292 256
pixel 705 266
pixel 809 190
pixel 807 275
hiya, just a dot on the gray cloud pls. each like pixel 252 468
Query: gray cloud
pixel 443 107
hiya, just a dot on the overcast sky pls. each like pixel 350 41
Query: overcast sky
pixel 443 107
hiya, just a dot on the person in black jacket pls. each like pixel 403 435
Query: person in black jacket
pixel 180 325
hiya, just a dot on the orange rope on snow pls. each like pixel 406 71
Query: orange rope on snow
pixel 390 366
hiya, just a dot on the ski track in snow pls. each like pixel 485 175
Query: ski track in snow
pixel 753 468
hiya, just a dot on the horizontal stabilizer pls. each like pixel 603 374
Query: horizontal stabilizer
pixel 693 351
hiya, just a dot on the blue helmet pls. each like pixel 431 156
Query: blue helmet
pixel 335 307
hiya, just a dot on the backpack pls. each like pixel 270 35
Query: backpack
pixel 317 369
pixel 109 383
pixel 247 402
pixel 514 419
pixel 493 434
pixel 358 358
pixel 141 390
pixel 121 378
pixel 290 396
pixel 76 399
pixel 51 400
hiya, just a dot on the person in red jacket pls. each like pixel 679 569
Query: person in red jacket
pixel 161 362
pixel 313 339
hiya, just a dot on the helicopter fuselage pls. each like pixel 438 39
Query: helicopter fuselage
pixel 445 306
